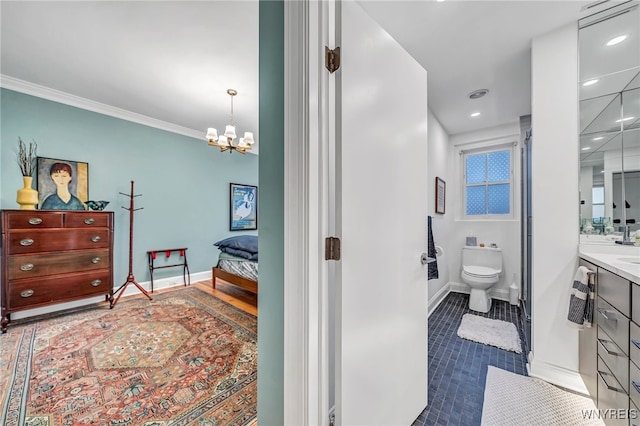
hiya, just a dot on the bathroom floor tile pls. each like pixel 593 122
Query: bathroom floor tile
pixel 458 367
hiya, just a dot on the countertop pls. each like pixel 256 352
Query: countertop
pixel 610 257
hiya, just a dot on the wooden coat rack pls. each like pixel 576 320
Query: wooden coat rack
pixel 130 278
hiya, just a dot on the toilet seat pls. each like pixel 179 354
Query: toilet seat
pixel 480 271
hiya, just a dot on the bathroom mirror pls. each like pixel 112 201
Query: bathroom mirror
pixel 609 79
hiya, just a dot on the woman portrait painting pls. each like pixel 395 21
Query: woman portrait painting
pixel 62 185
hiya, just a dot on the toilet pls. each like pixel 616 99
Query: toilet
pixel 481 268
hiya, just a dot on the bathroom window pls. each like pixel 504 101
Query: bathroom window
pixel 488 179
pixel 597 201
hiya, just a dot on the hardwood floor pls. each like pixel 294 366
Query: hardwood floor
pixel 236 296
pixel 241 299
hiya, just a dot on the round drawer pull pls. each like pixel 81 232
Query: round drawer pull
pixel 96 238
pixel 27 293
pixel 95 260
pixel 96 283
pixel 89 221
pixel 26 267
pixel 35 221
pixel 26 242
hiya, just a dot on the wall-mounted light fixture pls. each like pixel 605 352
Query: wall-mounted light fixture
pixel 225 141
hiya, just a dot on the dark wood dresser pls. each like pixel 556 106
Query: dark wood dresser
pixel 54 256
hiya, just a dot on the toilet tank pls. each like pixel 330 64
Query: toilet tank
pixel 482 256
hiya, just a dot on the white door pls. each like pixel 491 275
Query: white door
pixel 381 182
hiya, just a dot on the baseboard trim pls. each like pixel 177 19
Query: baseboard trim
pixel 435 301
pixel 556 375
pixel 168 282
pixel 131 290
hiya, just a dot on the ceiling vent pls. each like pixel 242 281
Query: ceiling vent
pixel 588 7
pixel 477 94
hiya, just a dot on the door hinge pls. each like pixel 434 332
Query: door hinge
pixel 332 248
pixel 332 59
pixel 332 419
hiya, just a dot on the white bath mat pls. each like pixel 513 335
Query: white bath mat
pixel 501 334
pixel 511 399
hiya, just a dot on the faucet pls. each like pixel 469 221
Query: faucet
pixel 626 240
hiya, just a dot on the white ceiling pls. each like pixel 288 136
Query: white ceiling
pixel 173 61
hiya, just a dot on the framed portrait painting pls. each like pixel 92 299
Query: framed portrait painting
pixel 244 207
pixel 62 184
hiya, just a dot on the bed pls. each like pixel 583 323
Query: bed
pixel 238 262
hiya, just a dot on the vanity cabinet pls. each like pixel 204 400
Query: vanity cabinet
pixel 612 358
pixel 634 352
pixel 613 309
pixel 50 257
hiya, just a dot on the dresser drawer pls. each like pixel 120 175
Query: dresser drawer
pixel 635 296
pixel 634 343
pixel 33 219
pixel 611 396
pixel 615 359
pixel 25 241
pixel 42 291
pixel 615 290
pixel 38 265
pixel 83 220
pixel 614 324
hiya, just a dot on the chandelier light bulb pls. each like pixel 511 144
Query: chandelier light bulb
pixel 230 131
pixel 212 134
pixel 248 138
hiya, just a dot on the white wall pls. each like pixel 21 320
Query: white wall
pixel 505 233
pixel 439 165
pixel 555 209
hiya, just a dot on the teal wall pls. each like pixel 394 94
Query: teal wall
pixel 184 183
pixel 271 220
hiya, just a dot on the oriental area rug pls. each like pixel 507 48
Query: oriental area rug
pixel 183 358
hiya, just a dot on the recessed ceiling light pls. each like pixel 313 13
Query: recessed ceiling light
pixel 439 1
pixel 476 94
pixel 616 40
pixel 601 171
pixel 598 138
pixel 475 114
pixel 590 82
pixel 586 148
pixel 625 119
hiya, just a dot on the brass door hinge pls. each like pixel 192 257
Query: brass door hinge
pixel 332 59
pixel 332 248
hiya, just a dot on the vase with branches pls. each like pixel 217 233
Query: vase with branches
pixel 26 156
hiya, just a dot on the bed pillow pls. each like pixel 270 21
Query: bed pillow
pixel 239 253
pixel 248 243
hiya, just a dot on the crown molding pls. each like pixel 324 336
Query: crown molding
pixel 43 92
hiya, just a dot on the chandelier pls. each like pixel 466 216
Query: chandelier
pixel 225 141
